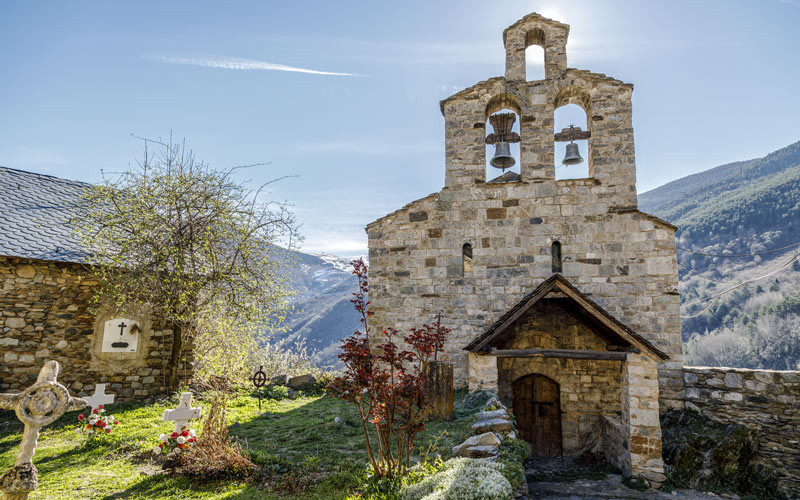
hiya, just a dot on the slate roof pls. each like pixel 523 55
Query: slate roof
pixel 35 211
pixel 559 283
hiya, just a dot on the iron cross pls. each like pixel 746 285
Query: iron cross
pixel 122 328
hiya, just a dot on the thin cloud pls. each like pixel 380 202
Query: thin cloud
pixel 244 64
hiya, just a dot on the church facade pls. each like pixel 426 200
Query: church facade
pixel 561 294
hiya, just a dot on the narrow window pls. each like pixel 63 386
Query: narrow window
pixel 555 253
pixel 466 256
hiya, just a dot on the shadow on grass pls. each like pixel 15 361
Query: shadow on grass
pixel 306 438
pixel 163 486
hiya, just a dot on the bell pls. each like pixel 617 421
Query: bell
pixel 502 156
pixel 573 155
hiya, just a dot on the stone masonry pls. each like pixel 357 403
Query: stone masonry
pixel 764 400
pixel 473 250
pixel 622 258
pixel 44 315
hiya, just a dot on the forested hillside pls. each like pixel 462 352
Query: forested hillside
pixel 738 232
pixel 322 314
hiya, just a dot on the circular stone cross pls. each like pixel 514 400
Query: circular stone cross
pixel 42 403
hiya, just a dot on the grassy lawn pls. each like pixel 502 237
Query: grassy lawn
pixel 288 435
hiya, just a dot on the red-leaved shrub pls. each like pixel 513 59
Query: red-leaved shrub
pixel 386 382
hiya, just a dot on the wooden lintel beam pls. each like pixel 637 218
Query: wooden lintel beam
pixel 559 353
pixel 575 135
pixel 620 348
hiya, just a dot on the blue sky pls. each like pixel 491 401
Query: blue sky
pixel 245 82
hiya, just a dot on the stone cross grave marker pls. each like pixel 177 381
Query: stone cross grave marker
pixel 99 397
pixel 39 405
pixel 183 413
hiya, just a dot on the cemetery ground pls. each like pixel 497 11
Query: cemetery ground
pixel 301 448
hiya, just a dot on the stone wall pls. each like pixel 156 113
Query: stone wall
pixel 766 401
pixel 615 443
pixel 44 314
pixel 625 261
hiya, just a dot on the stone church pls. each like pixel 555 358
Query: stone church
pixel 561 294
pixel 46 308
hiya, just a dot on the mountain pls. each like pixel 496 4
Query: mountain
pixel 738 230
pixel 321 313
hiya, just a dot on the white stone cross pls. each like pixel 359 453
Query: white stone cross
pixel 183 413
pixel 99 397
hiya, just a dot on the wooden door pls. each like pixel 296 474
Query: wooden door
pixel 537 407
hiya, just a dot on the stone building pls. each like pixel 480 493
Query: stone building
pixel 561 294
pixel 45 299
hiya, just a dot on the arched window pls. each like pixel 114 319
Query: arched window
pixel 555 254
pixel 534 63
pixel 466 258
pixel 563 118
pixel 534 55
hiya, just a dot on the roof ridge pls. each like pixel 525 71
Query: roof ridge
pixel 47 176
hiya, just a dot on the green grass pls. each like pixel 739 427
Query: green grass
pixel 299 432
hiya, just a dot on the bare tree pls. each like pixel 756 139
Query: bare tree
pixel 188 241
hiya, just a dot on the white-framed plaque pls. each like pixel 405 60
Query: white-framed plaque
pixel 121 335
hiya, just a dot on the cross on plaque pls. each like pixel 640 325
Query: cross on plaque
pixel 183 413
pixel 99 397
pixel 122 328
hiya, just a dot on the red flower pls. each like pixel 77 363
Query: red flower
pixel 100 407
pixel 80 417
pixel 108 430
pixel 115 422
pixel 184 433
pixel 173 435
pixel 94 411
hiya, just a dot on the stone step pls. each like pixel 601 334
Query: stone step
pixel 485 439
pixel 494 424
pixel 489 415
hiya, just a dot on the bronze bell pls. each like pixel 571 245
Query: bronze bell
pixel 502 156
pixel 572 156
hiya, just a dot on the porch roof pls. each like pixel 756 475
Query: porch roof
pixel 578 304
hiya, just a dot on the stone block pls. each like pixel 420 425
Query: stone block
pixel 495 425
pixel 733 380
pixel 16 323
pixel 301 381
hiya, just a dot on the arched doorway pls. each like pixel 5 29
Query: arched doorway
pixel 537 407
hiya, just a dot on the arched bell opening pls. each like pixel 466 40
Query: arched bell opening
pixel 571 142
pixel 503 146
pixel 537 409
pixel 502 127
